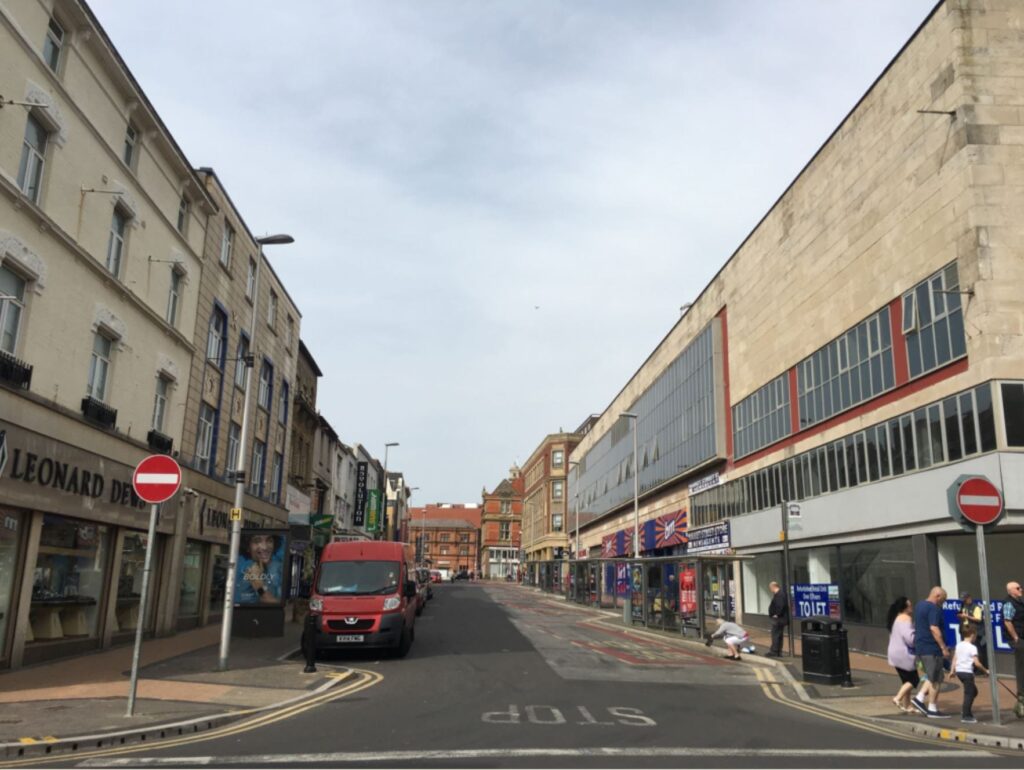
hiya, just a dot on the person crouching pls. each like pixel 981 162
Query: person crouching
pixel 733 636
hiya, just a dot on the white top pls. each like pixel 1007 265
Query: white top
pixel 963 658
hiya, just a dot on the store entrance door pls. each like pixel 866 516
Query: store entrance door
pixel 717 583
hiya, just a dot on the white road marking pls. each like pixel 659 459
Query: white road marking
pixel 394 757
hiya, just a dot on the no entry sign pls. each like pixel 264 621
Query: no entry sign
pixel 979 501
pixel 156 478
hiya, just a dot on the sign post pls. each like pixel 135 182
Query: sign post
pixel 975 502
pixel 156 479
pixel 789 510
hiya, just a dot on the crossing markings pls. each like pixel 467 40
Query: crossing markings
pixel 365 679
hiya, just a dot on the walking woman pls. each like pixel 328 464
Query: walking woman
pixel 900 621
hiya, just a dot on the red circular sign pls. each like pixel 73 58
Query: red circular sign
pixel 979 501
pixel 156 478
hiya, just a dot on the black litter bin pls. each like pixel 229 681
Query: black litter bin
pixel 826 657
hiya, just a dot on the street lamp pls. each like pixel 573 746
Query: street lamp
pixel 636 489
pixel 410 490
pixel 384 502
pixel 236 523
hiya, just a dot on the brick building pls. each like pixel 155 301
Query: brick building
pixel 546 497
pixel 419 530
pixel 500 527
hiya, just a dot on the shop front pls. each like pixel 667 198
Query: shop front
pixel 72 546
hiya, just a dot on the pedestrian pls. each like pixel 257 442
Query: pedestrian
pixel 778 610
pixel 965 658
pixel 931 650
pixel 733 635
pixel 1013 621
pixel 972 615
pixel 900 621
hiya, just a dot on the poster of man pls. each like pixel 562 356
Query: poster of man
pixel 259 580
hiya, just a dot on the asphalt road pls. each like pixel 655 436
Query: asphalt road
pixel 502 677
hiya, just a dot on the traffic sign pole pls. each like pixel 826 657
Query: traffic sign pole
pixel 143 607
pixel 987 619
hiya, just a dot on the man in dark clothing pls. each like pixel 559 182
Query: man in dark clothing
pixel 778 610
pixel 1013 623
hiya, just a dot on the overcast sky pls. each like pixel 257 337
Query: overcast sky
pixel 498 206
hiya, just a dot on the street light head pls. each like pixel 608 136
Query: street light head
pixel 393 443
pixel 278 239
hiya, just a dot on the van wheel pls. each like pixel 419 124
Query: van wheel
pixel 404 643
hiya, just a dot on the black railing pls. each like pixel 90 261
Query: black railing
pixel 14 371
pixel 98 412
pixel 158 442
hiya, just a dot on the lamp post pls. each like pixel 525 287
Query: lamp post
pixel 384 490
pixel 636 489
pixel 411 490
pixel 236 524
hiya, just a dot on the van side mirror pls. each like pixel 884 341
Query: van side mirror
pixel 410 589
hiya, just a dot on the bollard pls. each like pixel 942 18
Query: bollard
pixel 847 676
pixel 309 643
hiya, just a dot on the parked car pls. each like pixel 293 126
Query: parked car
pixel 423 576
pixel 365 594
pixel 436 576
pixel 462 575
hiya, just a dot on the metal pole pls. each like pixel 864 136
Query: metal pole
pixel 143 606
pixel 785 571
pixel 993 676
pixel 243 442
pixel 636 494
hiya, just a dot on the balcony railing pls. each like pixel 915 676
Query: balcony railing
pixel 98 412
pixel 14 371
pixel 158 442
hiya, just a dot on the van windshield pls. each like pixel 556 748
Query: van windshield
pixel 358 578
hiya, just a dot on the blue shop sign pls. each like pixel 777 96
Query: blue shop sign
pixel 816 600
pixel 951 622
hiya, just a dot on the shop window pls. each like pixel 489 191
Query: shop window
pixel 757 574
pixel 129 584
pixel 191 580
pixel 872 575
pixel 68 580
pixel 814 565
pixel 986 418
pixel 218 581
pixel 1013 412
pixel 11 526
pixel 958 563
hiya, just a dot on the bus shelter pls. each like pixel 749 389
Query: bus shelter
pixel 686 594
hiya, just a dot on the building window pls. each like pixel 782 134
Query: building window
pixel 131 143
pixel 204 438
pixel 53 44
pixel 275 480
pixel 259 456
pixel 250 280
pixel 1013 412
pixel 444 537
pixel 243 353
pixel 216 338
pixel 871 574
pixel 762 418
pixel 99 367
pixel 282 414
pixel 506 506
pixel 504 530
pixel 163 386
pixel 557 490
pixel 174 296
pixel 183 214
pixel 12 307
pixel 851 369
pixel 933 322
pixel 272 310
pixel 556 522
pixel 266 385
pixel 557 458
pixel 234 439
pixel 115 245
pixel 227 242
pixel 33 158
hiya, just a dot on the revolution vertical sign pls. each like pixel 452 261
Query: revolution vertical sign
pixel 359 515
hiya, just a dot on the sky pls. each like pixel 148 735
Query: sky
pixel 498 206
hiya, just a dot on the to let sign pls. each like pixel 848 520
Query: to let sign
pixel 157 478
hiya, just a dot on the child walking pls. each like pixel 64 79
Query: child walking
pixel 965 658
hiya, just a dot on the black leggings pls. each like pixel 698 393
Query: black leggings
pixel 970 692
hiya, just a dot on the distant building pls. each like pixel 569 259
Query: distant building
pixel 500 527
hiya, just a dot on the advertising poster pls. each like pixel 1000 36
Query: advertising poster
pixel 816 600
pixel 951 624
pixel 636 584
pixel 621 579
pixel 711 539
pixel 373 510
pixel 259 581
pixel 688 591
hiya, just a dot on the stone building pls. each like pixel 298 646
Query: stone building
pixel 860 351
pixel 545 501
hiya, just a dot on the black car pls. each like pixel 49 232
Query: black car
pixel 463 575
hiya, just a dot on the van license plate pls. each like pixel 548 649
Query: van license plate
pixel 350 637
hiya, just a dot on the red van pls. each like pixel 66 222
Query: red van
pixel 364 595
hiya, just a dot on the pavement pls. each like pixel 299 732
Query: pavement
pixel 52 705
pixel 875 685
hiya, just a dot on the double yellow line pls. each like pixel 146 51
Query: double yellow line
pixel 364 680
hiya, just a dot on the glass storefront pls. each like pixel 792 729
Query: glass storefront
pixel 129 584
pixel 872 575
pixel 219 559
pixel 68 580
pixel 11 525
pixel 191 580
pixel 958 563
pixel 757 574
